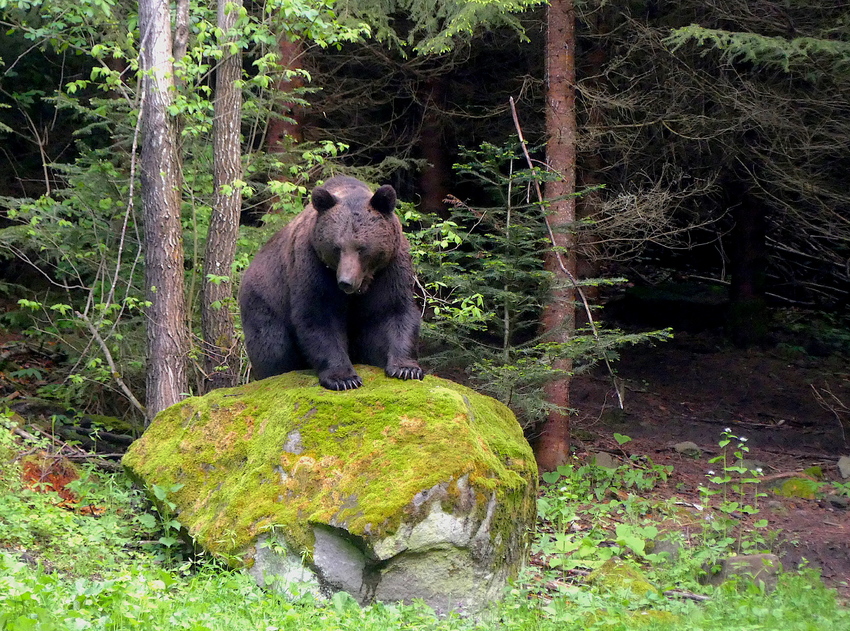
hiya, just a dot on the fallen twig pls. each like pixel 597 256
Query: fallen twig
pixel 64 450
pixel 674 593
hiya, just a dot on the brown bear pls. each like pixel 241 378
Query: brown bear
pixel 333 288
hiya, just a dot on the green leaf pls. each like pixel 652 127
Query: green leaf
pixel 550 477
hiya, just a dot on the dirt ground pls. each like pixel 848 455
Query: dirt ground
pixel 695 386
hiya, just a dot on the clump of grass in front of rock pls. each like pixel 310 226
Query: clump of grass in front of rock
pixel 608 555
pixel 590 516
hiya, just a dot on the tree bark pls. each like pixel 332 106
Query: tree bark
pixel 163 240
pixel 748 317
pixel 285 125
pixel 553 446
pixel 220 357
pixel 437 173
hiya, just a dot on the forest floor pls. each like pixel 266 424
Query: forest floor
pixel 694 387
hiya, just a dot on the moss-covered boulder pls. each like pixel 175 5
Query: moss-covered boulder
pixel 394 491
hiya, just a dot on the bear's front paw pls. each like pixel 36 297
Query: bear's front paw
pixel 337 381
pixel 413 371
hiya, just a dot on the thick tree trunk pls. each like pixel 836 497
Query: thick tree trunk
pixel 221 360
pixel 163 240
pixel 285 126
pixel 747 321
pixel 437 173
pixel 552 448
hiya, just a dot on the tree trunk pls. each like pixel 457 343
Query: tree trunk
pixel 221 360
pixel 552 448
pixel 285 125
pixel 437 173
pixel 163 240
pixel 748 319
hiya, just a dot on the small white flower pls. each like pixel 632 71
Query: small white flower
pixel 742 439
pixel 710 472
pixel 728 430
pixel 758 470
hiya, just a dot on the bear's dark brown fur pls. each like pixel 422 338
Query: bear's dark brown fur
pixel 335 286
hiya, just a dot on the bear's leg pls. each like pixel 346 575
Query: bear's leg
pixel 387 332
pixel 319 320
pixel 326 349
pixel 271 348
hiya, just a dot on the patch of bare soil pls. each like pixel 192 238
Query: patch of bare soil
pixel 695 386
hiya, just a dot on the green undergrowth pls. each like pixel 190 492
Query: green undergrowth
pixel 116 566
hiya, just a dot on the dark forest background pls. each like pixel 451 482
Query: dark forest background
pixel 711 162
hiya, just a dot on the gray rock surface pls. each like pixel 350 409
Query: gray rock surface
pixel 760 568
pixel 688 448
pixel 844 466
pixel 605 460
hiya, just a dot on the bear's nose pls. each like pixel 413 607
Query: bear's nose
pixel 347 287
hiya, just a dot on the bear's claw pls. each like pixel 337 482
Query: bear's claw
pixel 348 383
pixel 406 372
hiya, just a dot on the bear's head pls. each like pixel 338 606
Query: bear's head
pixel 356 233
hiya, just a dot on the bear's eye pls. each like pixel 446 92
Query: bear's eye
pixel 361 249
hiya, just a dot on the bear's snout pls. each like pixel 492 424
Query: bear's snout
pixel 349 273
pixel 347 286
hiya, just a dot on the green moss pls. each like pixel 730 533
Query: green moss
pixel 798 487
pixel 286 453
pixel 614 575
pixel 815 472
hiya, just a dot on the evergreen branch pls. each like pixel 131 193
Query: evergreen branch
pixel 559 256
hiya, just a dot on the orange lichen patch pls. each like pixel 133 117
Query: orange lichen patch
pixel 412 424
pixel 43 472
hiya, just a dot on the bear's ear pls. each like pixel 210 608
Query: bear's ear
pixel 322 200
pixel 384 200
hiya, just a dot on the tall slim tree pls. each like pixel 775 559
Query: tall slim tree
pixel 559 314
pixel 221 360
pixel 163 241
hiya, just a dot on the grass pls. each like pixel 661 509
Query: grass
pixel 106 563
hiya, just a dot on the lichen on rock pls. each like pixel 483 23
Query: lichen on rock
pixel 394 491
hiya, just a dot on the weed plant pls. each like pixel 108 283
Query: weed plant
pixel 591 514
pixel 734 492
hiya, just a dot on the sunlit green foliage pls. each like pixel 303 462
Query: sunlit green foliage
pixel 83 235
pixel 762 50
